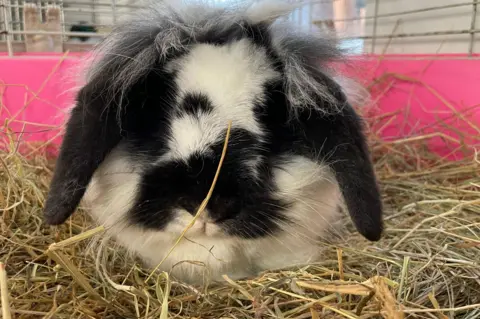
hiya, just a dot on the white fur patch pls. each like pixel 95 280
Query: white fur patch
pixel 232 77
pixel 190 134
pixel 315 195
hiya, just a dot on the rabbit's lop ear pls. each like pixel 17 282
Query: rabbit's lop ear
pixel 341 143
pixel 350 159
pixel 91 133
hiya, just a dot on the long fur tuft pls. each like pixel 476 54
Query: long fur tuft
pixel 163 29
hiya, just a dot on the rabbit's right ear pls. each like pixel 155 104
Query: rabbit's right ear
pixel 340 141
pixel 91 133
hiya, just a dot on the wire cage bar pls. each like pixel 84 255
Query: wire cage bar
pixel 364 26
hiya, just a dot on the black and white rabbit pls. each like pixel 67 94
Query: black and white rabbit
pixel 145 138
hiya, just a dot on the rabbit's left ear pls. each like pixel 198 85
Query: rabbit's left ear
pixel 269 11
pixel 91 133
pixel 341 143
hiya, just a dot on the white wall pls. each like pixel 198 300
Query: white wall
pixel 458 18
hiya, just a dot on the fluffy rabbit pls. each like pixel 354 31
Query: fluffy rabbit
pixel 145 138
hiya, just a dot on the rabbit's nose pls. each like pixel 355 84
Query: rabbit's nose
pixel 205 216
pixel 221 209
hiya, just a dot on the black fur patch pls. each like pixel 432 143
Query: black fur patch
pixel 194 103
pixel 241 205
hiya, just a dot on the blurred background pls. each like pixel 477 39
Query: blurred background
pixel 364 26
pixel 419 62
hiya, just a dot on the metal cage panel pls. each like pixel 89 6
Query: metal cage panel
pixel 422 27
pixel 370 26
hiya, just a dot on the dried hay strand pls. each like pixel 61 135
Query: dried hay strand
pixel 426 266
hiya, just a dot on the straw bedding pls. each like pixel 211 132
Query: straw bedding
pixel 426 266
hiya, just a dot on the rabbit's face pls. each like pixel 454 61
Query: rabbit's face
pixel 211 86
pixel 146 138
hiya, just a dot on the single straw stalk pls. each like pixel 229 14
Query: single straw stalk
pixel 5 298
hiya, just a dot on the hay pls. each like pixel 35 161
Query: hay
pixel 426 266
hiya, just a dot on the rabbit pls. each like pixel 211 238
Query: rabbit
pixel 145 138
